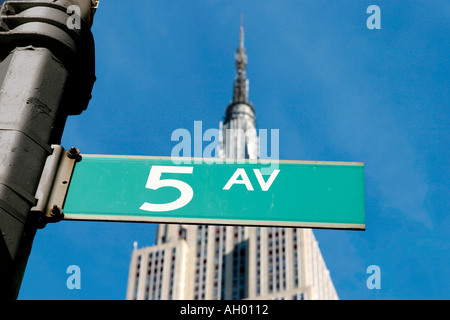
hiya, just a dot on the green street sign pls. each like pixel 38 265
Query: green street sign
pixel 311 194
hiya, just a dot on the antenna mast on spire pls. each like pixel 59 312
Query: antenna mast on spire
pixel 241 84
pixel 241 32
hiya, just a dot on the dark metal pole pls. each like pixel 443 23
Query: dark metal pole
pixel 46 74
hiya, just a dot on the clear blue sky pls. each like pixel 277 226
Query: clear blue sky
pixel 336 90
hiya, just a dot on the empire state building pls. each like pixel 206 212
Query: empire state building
pixel 206 262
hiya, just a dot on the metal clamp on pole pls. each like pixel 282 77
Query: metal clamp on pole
pixel 54 183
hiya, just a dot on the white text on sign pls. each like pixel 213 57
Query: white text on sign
pixel 265 185
pixel 154 182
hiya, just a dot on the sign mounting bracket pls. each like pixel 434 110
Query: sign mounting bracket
pixel 54 183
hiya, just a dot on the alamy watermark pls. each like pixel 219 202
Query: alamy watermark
pixel 374 21
pixel 74 280
pixel 74 20
pixel 374 280
pixel 229 145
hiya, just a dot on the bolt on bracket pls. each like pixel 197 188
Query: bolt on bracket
pixel 54 184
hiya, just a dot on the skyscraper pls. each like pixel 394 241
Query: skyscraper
pixel 231 262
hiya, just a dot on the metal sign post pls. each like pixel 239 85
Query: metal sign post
pixel 46 74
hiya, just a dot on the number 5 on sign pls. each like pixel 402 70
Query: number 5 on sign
pixel 154 182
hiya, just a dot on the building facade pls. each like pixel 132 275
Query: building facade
pixel 206 262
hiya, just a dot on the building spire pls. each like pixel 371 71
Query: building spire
pixel 240 93
pixel 241 32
